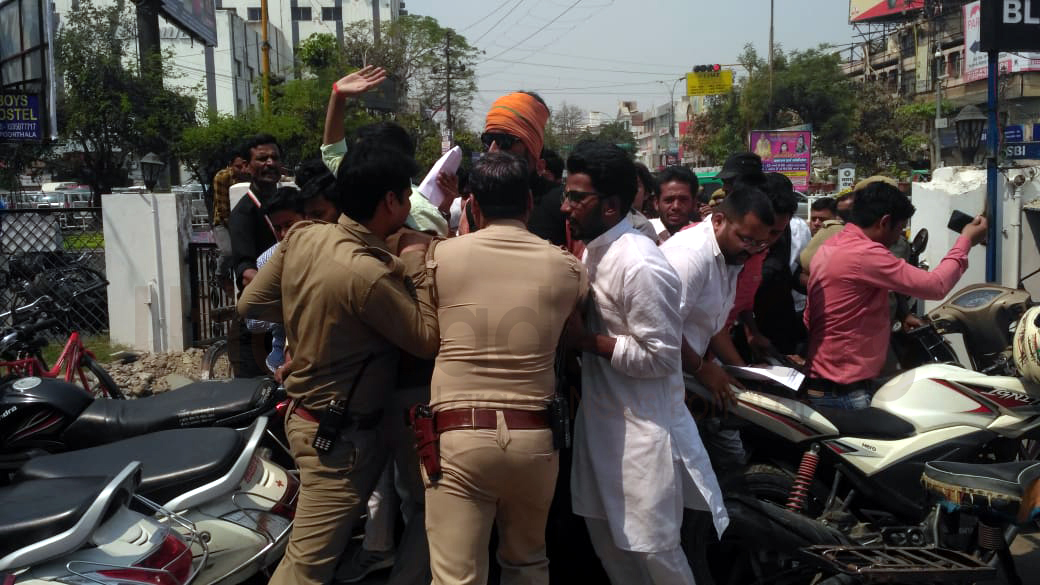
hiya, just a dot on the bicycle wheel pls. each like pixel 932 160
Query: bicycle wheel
pixel 99 383
pixel 216 363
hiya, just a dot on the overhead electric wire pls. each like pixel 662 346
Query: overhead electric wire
pixel 485 17
pixel 498 22
pixel 543 27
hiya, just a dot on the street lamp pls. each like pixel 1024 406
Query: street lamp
pixel 151 166
pixel 969 122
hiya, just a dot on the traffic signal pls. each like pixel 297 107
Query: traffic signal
pixel 715 68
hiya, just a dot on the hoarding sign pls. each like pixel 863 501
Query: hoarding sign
pixel 975 59
pixel 20 117
pixel 1010 25
pixel 197 17
pixel 709 82
pixel 1022 150
pixel 784 152
pixel 1014 133
pixel 866 10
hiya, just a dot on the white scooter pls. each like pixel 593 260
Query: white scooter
pixel 82 530
pixel 240 503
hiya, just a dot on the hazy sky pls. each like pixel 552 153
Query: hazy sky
pixel 594 53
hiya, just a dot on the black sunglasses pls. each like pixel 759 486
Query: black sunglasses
pixel 504 141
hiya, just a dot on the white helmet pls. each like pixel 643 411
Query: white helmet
pixel 1026 346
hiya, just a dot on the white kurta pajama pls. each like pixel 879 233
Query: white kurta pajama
pixel 638 459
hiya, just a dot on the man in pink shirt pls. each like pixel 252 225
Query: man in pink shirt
pixel 849 280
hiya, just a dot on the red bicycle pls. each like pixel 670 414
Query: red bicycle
pixel 21 350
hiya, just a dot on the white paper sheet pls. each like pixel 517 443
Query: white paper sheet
pixel 448 163
pixel 789 377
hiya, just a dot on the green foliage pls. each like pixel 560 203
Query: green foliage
pixel 319 53
pixel 612 133
pixel 110 110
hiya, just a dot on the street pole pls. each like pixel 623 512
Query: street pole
pixel 150 53
pixel 770 109
pixel 993 211
pixel 447 85
pixel 265 57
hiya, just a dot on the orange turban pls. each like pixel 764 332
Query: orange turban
pixel 520 115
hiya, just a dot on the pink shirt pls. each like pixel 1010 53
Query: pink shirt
pixel 847 310
pixel 747 285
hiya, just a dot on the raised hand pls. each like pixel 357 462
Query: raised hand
pixel 359 81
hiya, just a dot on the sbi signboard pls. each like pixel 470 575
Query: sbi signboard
pixel 1010 25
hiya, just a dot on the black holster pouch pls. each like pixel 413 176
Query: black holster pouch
pixel 560 421
pixel 427 441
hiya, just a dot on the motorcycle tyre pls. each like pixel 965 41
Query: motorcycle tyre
pixel 108 386
pixel 698 537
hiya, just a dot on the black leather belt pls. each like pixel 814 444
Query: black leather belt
pixel 832 387
pixel 361 422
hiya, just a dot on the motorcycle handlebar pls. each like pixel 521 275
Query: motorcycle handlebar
pixel 42 325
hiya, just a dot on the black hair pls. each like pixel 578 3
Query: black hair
pixel 284 199
pixel 500 185
pixel 463 174
pixel 744 200
pixel 825 204
pixel 877 200
pixel 309 170
pixel 537 97
pixel 246 148
pixel 323 186
pixel 780 191
pixel 388 133
pixel 756 180
pixel 368 171
pixel 611 170
pixel 650 186
pixel 680 175
pixel 553 162
pixel 236 152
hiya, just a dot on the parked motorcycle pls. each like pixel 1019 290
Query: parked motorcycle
pixel 42 415
pixel 218 480
pixel 83 529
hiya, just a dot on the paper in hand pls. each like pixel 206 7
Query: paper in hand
pixel 448 163
pixel 789 377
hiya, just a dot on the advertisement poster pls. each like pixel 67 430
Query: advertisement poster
pixel 784 151
pixel 20 117
pixel 975 60
pixel 198 17
pixel 866 10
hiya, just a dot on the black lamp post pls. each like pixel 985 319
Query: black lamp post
pixel 151 166
pixel 969 121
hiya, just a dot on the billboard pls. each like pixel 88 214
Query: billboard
pixel 709 82
pixel 784 151
pixel 867 10
pixel 197 17
pixel 975 61
pixel 21 117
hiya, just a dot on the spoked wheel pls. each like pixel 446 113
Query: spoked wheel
pixel 216 362
pixel 98 381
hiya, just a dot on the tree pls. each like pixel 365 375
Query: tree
pixel 109 109
pixel 567 122
pixel 612 133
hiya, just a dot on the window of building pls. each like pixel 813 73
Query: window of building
pixel 954 65
pixel 253 14
pixel 331 13
pixel 301 13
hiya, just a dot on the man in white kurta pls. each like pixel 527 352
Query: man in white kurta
pixel 638 459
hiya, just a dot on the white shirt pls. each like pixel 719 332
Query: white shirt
pixel 638 459
pixel 709 285
pixel 800 236
pixel 658 227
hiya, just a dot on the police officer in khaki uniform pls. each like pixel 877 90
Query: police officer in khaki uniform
pixel 348 305
pixel 503 296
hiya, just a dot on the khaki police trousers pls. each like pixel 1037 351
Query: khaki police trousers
pixel 502 476
pixel 334 487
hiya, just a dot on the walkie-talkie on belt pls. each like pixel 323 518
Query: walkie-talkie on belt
pixel 335 415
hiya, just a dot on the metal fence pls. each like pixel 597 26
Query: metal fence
pixel 208 294
pixel 55 251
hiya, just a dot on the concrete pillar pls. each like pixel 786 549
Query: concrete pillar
pixel 146 260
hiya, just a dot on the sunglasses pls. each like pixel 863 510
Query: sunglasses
pixel 504 141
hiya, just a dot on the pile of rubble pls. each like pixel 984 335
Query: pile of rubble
pixel 144 374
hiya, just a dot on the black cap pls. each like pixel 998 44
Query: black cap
pixel 742 163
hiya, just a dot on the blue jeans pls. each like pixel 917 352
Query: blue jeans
pixel 853 400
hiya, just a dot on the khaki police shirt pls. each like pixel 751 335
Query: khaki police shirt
pixel 829 229
pixel 343 298
pixel 503 296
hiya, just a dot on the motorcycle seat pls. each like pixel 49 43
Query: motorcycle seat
pixel 172 462
pixel 868 423
pixel 31 511
pixel 232 403
pixel 997 486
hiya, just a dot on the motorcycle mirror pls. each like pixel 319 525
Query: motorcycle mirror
pixel 920 242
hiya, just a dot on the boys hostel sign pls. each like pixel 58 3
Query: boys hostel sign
pixel 20 117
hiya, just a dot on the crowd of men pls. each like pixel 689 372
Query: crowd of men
pixel 444 337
